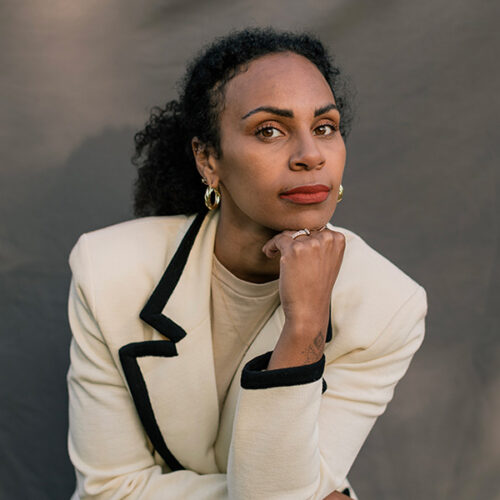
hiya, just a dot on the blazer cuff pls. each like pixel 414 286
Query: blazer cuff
pixel 256 376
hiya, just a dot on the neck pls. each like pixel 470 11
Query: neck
pixel 238 247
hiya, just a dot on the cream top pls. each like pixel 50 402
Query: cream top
pixel 238 309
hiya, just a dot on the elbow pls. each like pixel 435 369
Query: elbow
pixel 98 486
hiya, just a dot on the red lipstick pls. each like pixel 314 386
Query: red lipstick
pixel 311 193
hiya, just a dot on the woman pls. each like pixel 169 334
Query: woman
pixel 245 351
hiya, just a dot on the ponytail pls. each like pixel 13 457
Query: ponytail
pixel 168 181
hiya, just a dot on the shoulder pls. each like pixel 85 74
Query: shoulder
pixel 371 291
pixel 128 254
pixel 147 239
pixel 363 263
pixel 132 236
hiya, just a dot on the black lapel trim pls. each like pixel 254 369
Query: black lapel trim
pixel 152 315
pixel 324 386
pixel 128 357
pixel 329 330
pixel 347 492
pixel 151 312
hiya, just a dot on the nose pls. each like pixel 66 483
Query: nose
pixel 306 155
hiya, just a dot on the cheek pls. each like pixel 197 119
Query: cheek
pixel 249 187
pixel 248 171
pixel 341 151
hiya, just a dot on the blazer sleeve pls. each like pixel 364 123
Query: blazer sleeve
pixel 296 436
pixel 106 442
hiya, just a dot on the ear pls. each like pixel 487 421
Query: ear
pixel 205 162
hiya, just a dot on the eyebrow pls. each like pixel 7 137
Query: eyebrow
pixel 287 113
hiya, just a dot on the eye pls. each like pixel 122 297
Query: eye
pixel 268 132
pixel 326 129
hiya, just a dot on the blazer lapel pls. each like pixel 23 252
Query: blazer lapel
pixel 172 378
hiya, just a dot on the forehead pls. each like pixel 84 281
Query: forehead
pixel 284 80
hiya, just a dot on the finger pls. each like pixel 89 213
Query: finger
pixel 284 240
pixel 278 244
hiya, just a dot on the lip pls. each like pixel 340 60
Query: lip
pixel 306 194
pixel 302 198
pixel 307 189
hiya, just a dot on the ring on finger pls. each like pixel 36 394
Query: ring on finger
pixel 304 231
pixel 327 226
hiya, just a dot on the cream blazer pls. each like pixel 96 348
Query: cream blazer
pixel 144 420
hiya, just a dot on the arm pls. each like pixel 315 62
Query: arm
pixel 309 267
pixel 288 434
pixel 111 454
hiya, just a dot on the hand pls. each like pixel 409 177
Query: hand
pixel 309 266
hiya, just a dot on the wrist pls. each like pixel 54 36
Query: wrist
pixel 294 351
pixel 301 344
pixel 305 326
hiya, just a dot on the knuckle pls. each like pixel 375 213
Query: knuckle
pixel 328 239
pixel 315 243
pixel 336 237
pixel 340 239
pixel 329 235
pixel 298 248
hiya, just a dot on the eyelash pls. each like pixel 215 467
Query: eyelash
pixel 266 126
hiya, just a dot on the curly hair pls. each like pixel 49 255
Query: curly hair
pixel 168 182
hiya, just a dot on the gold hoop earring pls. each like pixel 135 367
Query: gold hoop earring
pixel 212 204
pixel 341 194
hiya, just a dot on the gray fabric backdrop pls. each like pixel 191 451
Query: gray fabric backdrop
pixel 421 186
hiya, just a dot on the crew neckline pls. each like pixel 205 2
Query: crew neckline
pixel 242 287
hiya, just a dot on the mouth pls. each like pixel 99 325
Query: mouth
pixel 307 194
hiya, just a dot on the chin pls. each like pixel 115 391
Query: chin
pixel 309 220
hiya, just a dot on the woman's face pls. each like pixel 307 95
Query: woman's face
pixel 279 131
